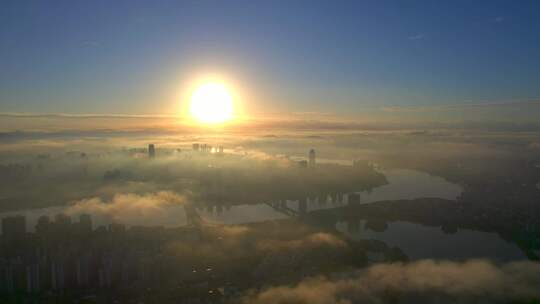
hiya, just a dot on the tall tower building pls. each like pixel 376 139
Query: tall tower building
pixel 61 225
pixel 62 220
pixel 32 278
pixel 57 275
pixel 43 225
pixel 312 158
pixel 8 279
pixel 151 151
pixel 83 270
pixel 85 223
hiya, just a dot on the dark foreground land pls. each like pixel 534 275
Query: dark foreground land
pixel 68 263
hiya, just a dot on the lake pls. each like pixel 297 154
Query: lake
pixel 415 240
pixel 403 184
pixel 423 242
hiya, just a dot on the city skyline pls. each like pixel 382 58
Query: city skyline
pixel 270 152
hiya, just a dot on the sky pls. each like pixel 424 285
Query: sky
pixel 140 57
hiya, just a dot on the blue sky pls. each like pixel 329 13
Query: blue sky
pixel 134 57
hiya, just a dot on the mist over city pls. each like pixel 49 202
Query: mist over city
pixel 269 152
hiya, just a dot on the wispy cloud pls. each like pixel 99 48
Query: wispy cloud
pixel 417 37
pixel 481 104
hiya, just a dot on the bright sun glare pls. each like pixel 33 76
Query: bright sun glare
pixel 212 103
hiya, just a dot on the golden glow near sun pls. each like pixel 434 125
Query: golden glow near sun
pixel 211 103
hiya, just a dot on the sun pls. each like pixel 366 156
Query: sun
pixel 211 103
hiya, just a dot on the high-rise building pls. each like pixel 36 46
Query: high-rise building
pixel 83 270
pixel 221 149
pixel 43 225
pixel 32 278
pixel 14 227
pixel 57 275
pixel 7 282
pixel 85 223
pixel 62 220
pixel 105 273
pixel 151 151
pixel 117 227
pixel 196 147
pixel 312 158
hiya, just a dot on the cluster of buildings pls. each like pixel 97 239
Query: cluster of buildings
pixel 30 263
pixel 63 255
pixel 14 227
pixel 207 148
pixel 311 162
pixel 70 260
pixel 196 147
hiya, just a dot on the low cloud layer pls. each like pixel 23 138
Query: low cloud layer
pixel 128 204
pixel 427 281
